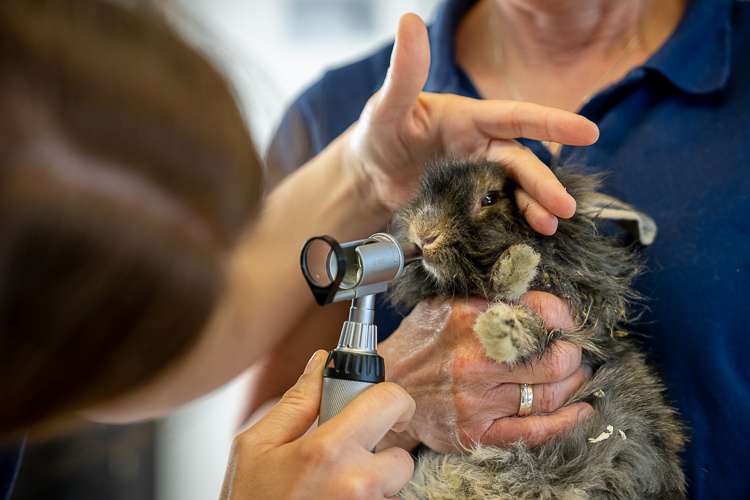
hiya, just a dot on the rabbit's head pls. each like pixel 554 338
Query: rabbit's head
pixel 463 217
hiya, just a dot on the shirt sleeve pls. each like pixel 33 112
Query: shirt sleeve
pixel 290 147
pixel 323 112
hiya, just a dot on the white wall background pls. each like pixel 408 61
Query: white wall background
pixel 272 49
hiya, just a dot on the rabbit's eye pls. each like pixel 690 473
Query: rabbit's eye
pixel 490 198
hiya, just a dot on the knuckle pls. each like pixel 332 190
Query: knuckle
pixel 518 119
pixel 467 364
pixel 548 122
pixel 559 365
pixel 390 391
pixel 560 361
pixel 463 315
pixel 536 434
pixel 359 486
pixel 560 313
pixel 554 310
pixel 294 396
pixel 247 443
pixel 540 431
pixel 405 460
pixel 455 365
pixel 247 451
pixel 318 454
pixel 394 394
pixel 516 155
pixel 549 397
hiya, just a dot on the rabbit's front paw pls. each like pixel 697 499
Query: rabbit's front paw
pixel 513 272
pixel 510 333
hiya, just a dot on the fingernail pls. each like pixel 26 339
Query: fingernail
pixel 572 205
pixel 314 361
pixel 585 412
pixel 587 371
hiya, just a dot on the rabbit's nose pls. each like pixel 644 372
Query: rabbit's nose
pixel 430 240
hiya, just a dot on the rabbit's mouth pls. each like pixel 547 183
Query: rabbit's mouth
pixel 434 263
pixel 436 272
pixel 444 263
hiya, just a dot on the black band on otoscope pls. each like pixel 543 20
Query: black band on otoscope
pixel 349 365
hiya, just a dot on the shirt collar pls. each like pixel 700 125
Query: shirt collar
pixel 697 57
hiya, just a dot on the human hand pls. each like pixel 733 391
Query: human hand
pixel 402 128
pixel 276 459
pixel 463 397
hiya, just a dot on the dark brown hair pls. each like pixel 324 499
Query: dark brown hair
pixel 126 175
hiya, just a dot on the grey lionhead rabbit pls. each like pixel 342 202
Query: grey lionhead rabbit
pixel 476 242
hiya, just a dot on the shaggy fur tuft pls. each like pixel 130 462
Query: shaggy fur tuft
pixel 475 241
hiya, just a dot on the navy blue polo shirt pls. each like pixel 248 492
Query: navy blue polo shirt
pixel 675 140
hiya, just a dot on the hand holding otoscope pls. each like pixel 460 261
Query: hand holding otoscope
pixel 353 271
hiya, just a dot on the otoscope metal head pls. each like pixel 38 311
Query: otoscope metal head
pixel 352 270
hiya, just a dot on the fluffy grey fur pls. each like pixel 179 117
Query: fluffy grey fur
pixel 476 242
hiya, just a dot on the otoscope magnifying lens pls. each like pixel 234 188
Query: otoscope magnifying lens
pixel 319 262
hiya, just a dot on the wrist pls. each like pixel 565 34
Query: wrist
pixel 380 177
pixel 365 176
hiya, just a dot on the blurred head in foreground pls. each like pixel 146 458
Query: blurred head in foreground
pixel 126 175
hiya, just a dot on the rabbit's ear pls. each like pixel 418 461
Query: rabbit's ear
pixel 602 206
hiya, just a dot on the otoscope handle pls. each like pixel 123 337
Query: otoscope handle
pixel 347 375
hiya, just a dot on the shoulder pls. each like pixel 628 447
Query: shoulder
pixel 324 111
pixel 340 94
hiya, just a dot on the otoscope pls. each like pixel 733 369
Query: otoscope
pixel 353 271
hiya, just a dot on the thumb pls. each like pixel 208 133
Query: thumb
pixel 407 74
pixel 297 410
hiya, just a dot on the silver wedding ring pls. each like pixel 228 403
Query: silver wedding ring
pixel 527 396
